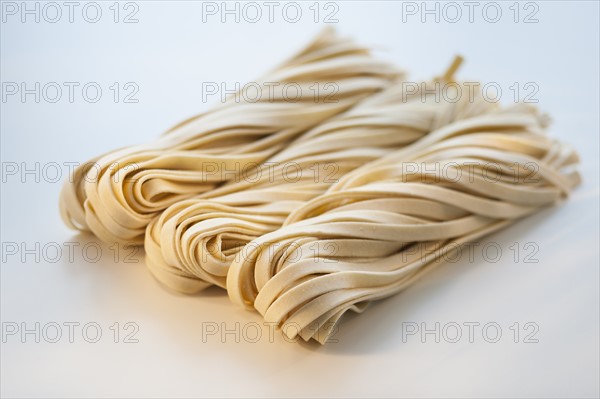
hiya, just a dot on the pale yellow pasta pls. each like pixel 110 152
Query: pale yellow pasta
pixel 384 183
pixel 117 194
pixel 191 245
pixel 385 224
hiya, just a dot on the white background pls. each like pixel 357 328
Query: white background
pixel 169 53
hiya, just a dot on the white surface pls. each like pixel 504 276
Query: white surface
pixel 169 53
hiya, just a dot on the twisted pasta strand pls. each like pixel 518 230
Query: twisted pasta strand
pixel 191 245
pixel 117 194
pixel 386 224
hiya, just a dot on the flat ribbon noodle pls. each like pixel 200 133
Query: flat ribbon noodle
pixel 191 245
pixel 116 195
pixel 384 225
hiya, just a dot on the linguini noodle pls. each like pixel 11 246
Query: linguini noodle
pixel 384 225
pixel 385 183
pixel 117 194
pixel 191 245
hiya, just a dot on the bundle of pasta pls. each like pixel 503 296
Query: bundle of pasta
pixel 191 245
pixel 117 194
pixel 384 226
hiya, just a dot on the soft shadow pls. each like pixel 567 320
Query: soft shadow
pixel 378 328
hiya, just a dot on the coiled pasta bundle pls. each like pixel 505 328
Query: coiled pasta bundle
pixel 385 225
pixel 117 194
pixel 191 245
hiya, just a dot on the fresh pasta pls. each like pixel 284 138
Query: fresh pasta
pixel 117 194
pixel 306 209
pixel 191 245
pixel 384 225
